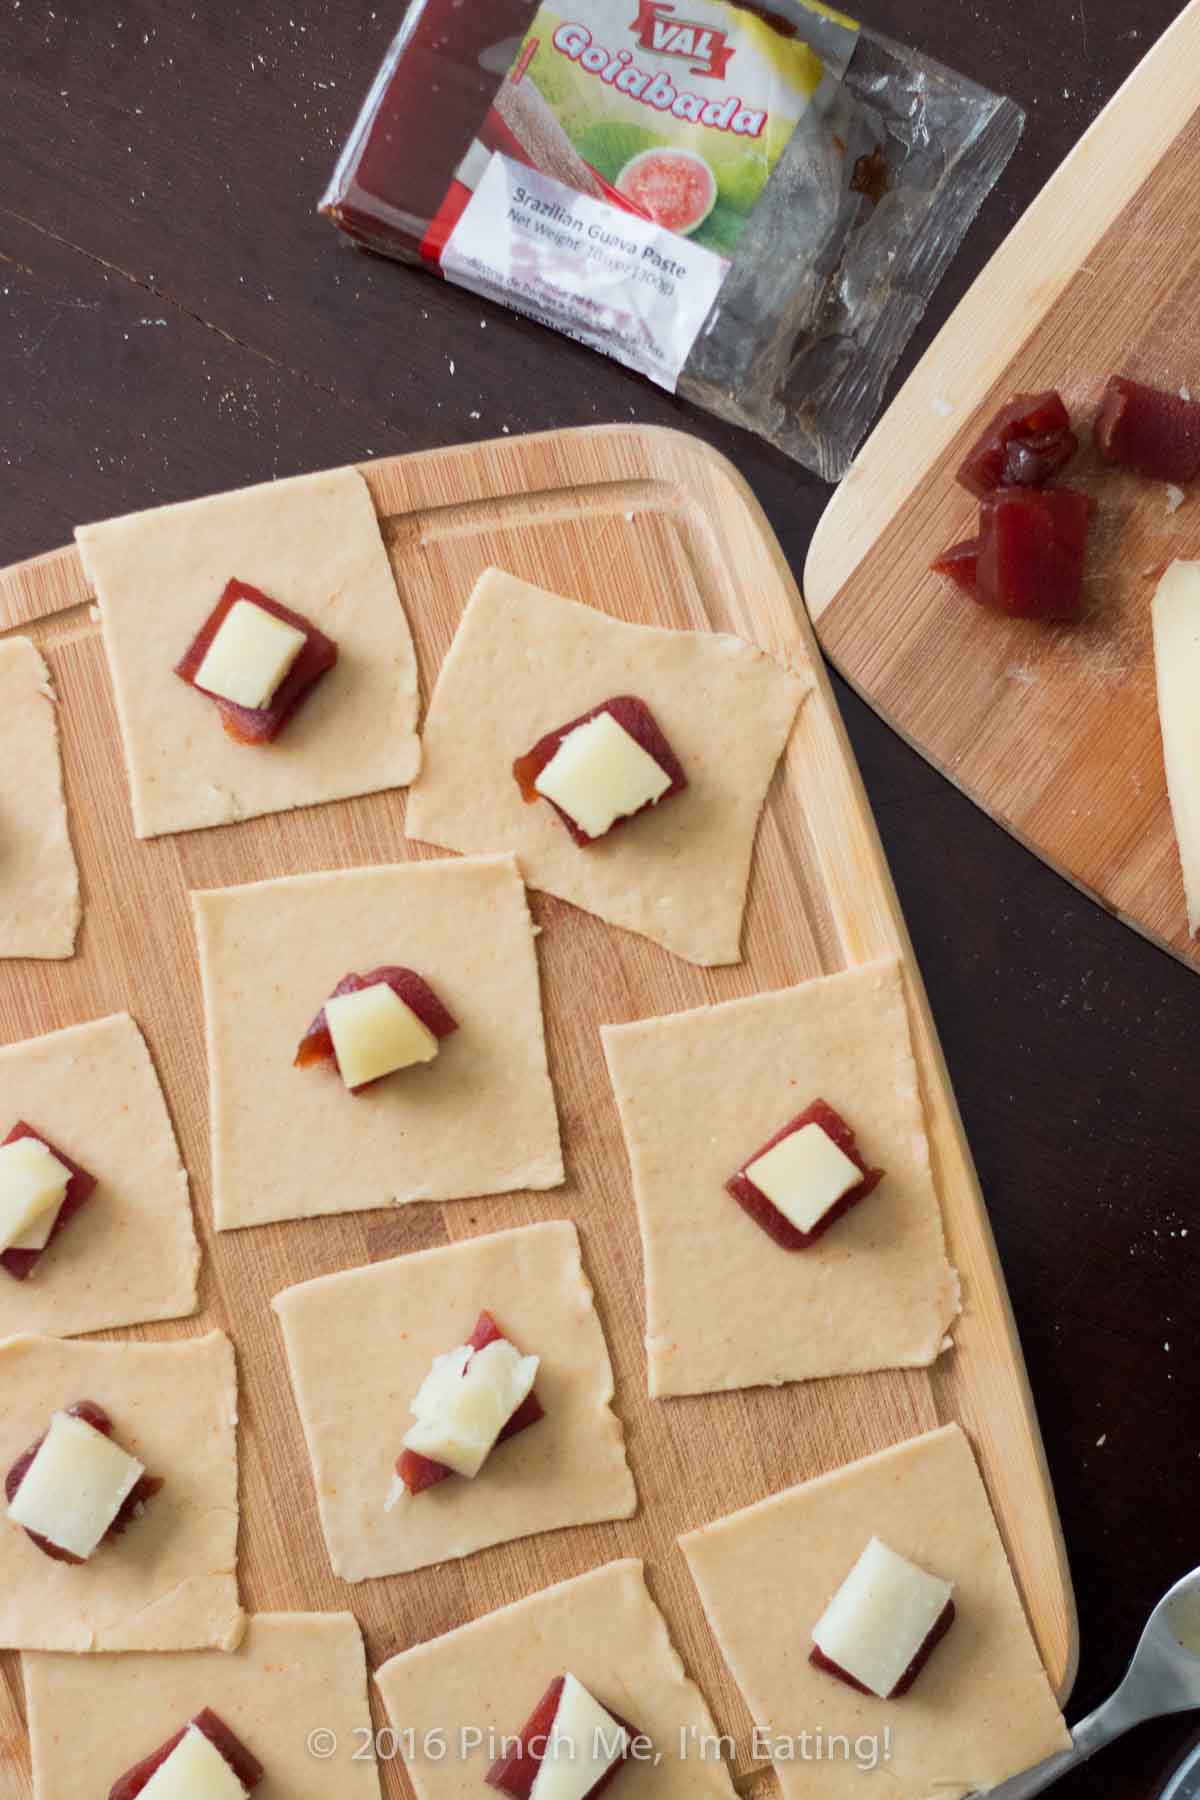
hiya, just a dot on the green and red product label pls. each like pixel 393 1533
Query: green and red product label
pixel 622 159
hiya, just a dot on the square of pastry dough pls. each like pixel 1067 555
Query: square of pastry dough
pixel 289 1143
pixel 478 1685
pixel 360 1344
pixel 130 1254
pixel 93 1718
pixel 170 1581
pixel 981 1710
pixel 39 883
pixel 312 544
pixel 525 662
pixel 699 1092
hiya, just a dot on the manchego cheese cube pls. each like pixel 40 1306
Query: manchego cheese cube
pixel 33 1186
pixel 1177 657
pixel 465 1402
pixel 75 1486
pixel 374 1033
pixel 249 656
pixel 195 1770
pixel 584 1743
pixel 600 774
pixel 880 1618
pixel 804 1175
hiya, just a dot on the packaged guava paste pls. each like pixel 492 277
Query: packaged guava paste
pixel 751 205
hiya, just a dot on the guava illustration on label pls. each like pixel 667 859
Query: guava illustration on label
pixel 675 188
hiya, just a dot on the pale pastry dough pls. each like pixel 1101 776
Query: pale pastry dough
pixel 290 1143
pixel 981 1711
pixel 360 1344
pixel 311 543
pixel 701 1091
pixel 525 662
pixel 487 1677
pixel 170 1582
pixel 130 1254
pixel 39 883
pixel 92 1718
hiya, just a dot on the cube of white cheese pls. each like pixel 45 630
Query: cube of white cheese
pixel 880 1618
pixel 195 1770
pixel 249 656
pixel 75 1486
pixel 33 1186
pixel 600 774
pixel 38 1234
pixel 804 1175
pixel 374 1033
pixel 1177 659
pixel 584 1742
pixel 465 1402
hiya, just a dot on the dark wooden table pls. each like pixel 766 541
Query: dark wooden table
pixel 174 319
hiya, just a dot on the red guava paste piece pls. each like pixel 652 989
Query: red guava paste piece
pixel 763 1211
pixel 1026 445
pixel 961 564
pixel 419 1472
pixel 635 717
pixel 1032 543
pixel 1143 428
pixel 21 1263
pixel 98 1419
pixel 937 1632
pixel 1028 560
pixel 317 1043
pixel 261 725
pixel 245 1766
pixel 515 1772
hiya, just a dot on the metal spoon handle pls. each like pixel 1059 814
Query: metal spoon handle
pixel 1104 1726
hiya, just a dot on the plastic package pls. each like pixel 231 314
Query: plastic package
pixel 753 206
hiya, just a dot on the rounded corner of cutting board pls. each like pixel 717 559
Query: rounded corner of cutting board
pixel 672 451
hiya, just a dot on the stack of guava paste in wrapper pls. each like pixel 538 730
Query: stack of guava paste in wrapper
pixel 750 205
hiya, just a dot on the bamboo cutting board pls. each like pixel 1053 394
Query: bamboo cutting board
pixel 656 528
pixel 1054 731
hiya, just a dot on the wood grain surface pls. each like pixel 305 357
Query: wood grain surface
pixel 655 529
pixel 176 320
pixel 1054 731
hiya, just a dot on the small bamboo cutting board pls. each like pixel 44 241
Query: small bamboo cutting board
pixel 655 528
pixel 1054 731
